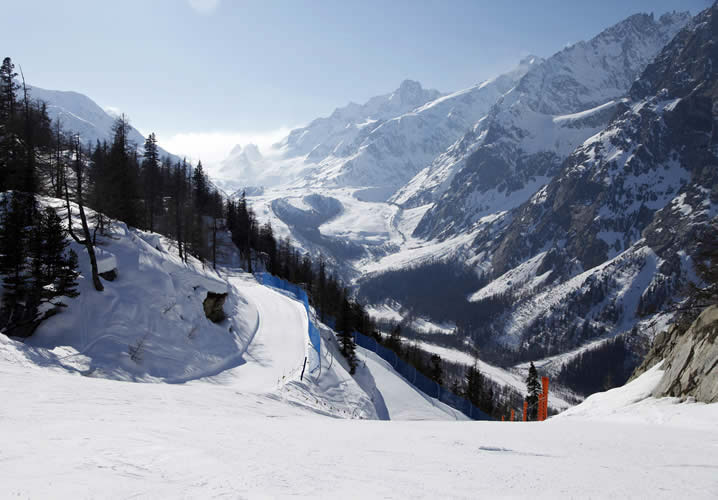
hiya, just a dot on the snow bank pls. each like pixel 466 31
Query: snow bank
pixel 149 323
pixel 632 403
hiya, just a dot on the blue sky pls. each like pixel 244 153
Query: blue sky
pixel 205 74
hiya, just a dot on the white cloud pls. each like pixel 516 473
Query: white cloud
pixel 205 7
pixel 213 147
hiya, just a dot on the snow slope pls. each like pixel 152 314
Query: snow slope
pixel 404 402
pixel 66 436
pixel 148 325
pixel 154 309
pixel 632 403
pixel 255 429
pixel 279 344
pixel 79 114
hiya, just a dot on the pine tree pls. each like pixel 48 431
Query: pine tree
pixel 474 385
pixel 394 342
pixel 436 372
pixel 151 178
pixel 13 258
pixel 8 104
pixel 122 188
pixel 533 390
pixel 346 334
pixel 322 287
pixel 54 271
pixel 201 191
pixel 67 277
pixel 8 87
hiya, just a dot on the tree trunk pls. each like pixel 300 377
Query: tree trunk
pixel 85 229
pixel 214 245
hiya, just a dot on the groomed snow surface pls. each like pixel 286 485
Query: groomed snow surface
pixel 69 436
pixel 219 410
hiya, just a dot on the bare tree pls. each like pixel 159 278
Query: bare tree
pixel 78 168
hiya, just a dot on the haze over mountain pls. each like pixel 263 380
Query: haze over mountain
pixel 540 246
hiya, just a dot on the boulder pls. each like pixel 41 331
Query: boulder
pixel 110 275
pixel 213 306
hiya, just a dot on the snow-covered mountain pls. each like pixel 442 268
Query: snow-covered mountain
pixel 386 153
pixel 79 114
pixel 380 145
pixel 550 195
pixel 243 166
pixel 508 156
pixel 606 246
pixel 517 124
pixel 336 132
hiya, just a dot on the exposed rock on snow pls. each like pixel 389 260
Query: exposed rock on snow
pixel 213 306
pixel 110 275
pixel 690 359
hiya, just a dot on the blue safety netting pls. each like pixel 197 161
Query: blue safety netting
pixel 419 380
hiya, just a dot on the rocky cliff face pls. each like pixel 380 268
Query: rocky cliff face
pixel 690 359
pixel 521 144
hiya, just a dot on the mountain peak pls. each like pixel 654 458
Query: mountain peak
pixel 410 86
pixel 411 92
pixel 529 59
pixel 643 23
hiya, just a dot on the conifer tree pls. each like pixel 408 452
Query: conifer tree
pixel 201 192
pixel 67 277
pixel 322 287
pixel 122 189
pixel 436 372
pixel 346 334
pixel 13 258
pixel 54 270
pixel 151 179
pixel 474 385
pixel 8 143
pixel 394 342
pixel 533 390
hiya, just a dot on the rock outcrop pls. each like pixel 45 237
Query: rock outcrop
pixel 213 306
pixel 690 359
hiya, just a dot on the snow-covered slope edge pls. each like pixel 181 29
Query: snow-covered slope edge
pixel 149 325
pixel 634 403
